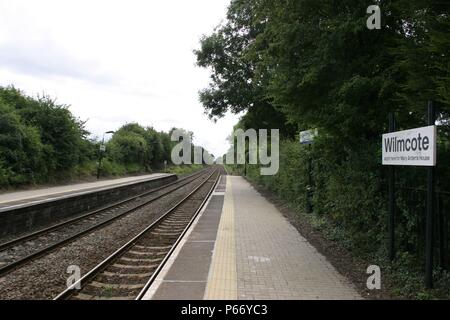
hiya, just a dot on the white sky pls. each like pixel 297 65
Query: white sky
pixel 115 61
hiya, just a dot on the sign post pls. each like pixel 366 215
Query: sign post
pixel 430 210
pixel 307 138
pixel 392 203
pixel 415 147
pixel 101 151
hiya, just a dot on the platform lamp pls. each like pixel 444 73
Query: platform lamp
pixel 101 151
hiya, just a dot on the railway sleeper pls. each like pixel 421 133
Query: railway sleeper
pixel 124 279
pixel 108 291
pixel 126 266
pixel 116 285
pixel 140 260
pixel 179 221
pixel 161 239
pixel 165 233
pixel 138 253
pixel 84 296
pixel 172 226
pixel 138 263
pixel 152 247
pixel 125 275
pixel 176 223
pixel 167 229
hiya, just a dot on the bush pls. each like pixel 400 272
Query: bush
pixel 184 169
pixel 111 168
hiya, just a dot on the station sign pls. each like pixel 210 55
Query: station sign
pixel 307 137
pixel 415 147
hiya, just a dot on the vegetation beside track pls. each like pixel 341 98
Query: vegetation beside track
pixel 41 142
pixel 183 170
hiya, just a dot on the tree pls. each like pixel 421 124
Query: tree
pixel 236 82
pixel 422 54
pixel 153 139
pixel 20 149
pixel 61 134
pixel 41 139
pixel 128 145
pixel 167 146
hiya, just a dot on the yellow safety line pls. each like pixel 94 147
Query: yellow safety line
pixel 222 283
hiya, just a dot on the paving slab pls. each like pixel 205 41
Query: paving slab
pixel 242 247
pixel 186 273
pixel 273 261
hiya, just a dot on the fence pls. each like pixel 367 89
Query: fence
pixel 411 217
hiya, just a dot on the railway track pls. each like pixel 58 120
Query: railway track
pixel 22 250
pixel 129 272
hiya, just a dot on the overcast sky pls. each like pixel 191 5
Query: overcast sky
pixel 115 61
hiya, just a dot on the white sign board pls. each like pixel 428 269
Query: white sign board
pixel 102 148
pixel 415 147
pixel 307 137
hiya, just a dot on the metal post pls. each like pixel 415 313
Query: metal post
pixel 391 186
pixel 245 162
pixel 444 228
pixel 309 207
pixel 100 156
pixel 443 238
pixel 430 212
pixel 100 153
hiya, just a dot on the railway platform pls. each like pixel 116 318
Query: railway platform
pixel 11 200
pixel 241 247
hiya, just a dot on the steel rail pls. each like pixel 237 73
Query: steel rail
pixel 11 266
pixel 167 256
pixel 102 265
pixel 10 243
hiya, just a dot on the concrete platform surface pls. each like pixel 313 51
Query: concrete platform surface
pixel 186 274
pixel 14 198
pixel 242 247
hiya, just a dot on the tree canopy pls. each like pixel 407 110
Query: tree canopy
pixel 316 63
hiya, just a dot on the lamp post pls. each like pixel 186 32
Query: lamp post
pixel 101 151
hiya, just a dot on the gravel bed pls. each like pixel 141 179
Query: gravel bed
pixel 33 245
pixel 184 178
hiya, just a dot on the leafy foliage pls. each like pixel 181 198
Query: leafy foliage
pixel 41 141
pixel 315 63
